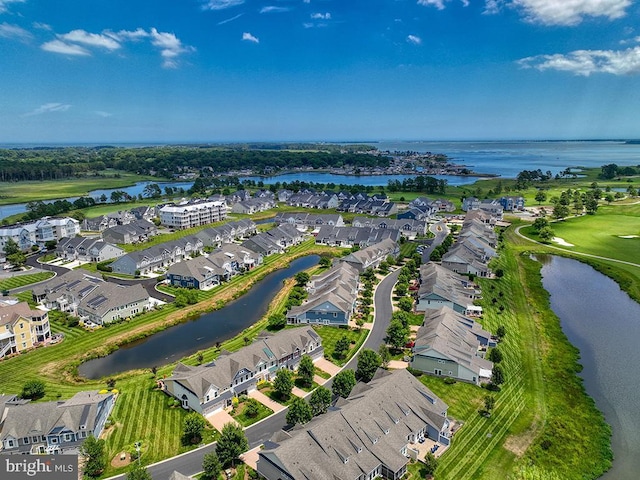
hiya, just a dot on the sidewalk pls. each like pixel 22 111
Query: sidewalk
pixel 266 401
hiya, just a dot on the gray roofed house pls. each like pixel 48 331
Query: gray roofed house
pixel 263 244
pixel 368 435
pixel 54 427
pixel 309 220
pixel 87 249
pixel 133 232
pixel 407 227
pixel 370 257
pixel 211 387
pixel 446 346
pixel 350 236
pixel 442 287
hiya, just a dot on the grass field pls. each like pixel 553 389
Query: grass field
pixel 22 280
pixel 22 192
pixel 331 335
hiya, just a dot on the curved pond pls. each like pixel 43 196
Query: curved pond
pixel 603 322
pixel 187 338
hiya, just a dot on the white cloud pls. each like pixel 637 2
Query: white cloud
pixel 306 1
pixel 414 39
pixel 321 16
pixel 90 39
pixel 58 46
pixel 14 31
pixel 230 19
pixel 124 35
pixel 250 38
pixel 42 26
pixel 48 108
pixel 558 12
pixel 170 47
pixel 220 4
pixel 439 4
pixel 103 114
pixel 272 9
pixel 587 62
pixel 4 3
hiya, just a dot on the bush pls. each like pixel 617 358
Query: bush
pixel 33 390
pixel 449 381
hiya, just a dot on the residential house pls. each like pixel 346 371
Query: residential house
pixel 469 256
pixel 253 205
pixel 21 328
pixel 134 232
pixel 372 256
pixel 442 287
pixel 209 388
pixel 437 205
pixel 276 240
pixel 193 214
pixel 144 213
pixel 309 220
pixel 512 203
pixel 331 300
pixel 87 250
pixel 407 227
pixel 102 222
pixel 446 346
pixel 351 236
pixel 39 232
pixel 226 233
pixel 416 213
pixel 370 434
pixel 54 427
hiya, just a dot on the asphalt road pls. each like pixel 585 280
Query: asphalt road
pixel 440 231
pixel 190 463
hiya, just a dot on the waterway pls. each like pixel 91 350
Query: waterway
pixel 210 328
pixel 603 322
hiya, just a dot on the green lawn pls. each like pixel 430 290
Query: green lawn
pixel 330 335
pixel 245 420
pixel 22 280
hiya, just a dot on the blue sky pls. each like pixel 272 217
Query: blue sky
pixel 305 70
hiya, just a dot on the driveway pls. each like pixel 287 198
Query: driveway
pixel 326 366
pixel 220 419
pixel 266 401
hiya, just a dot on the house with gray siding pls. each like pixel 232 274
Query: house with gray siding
pixel 371 434
pixel 332 298
pixel 446 346
pixel 407 227
pixel 53 427
pixel 372 256
pixel 87 250
pixel 442 287
pixel 209 388
pixel 134 232
pixel 351 236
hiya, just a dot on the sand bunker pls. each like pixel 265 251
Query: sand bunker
pixel 561 241
pixel 628 236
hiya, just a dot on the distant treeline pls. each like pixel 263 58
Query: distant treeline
pixel 59 163
pixel 420 183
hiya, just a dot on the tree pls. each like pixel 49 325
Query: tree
pixel 306 370
pixel 50 244
pixel 211 466
pixel 299 412
pixel 302 278
pixel 342 347
pixel 397 334
pixel 33 390
pixel 343 383
pixel 495 355
pixel 609 198
pixel 152 190
pixel 497 375
pixel 368 363
pixel 231 444
pixel 546 234
pixel 540 197
pixel 385 355
pixel 93 452
pixel 17 259
pixel 325 261
pixel 501 332
pixel 283 383
pixel 489 403
pixel 252 408
pixel 560 211
pixel 320 400
pixel 405 304
pixel 430 463
pixel 277 321
pixel 138 472
pixel 539 223
pixel 192 427
pixel 11 247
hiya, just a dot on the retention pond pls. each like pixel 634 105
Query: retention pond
pixel 210 328
pixel 603 322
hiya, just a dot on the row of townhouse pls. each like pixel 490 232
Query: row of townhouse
pixel 137 231
pixel 21 327
pixel 47 229
pixel 121 217
pixel 211 387
pixel 407 227
pixel 309 220
pixel 373 255
pixel 87 250
pixel 370 434
pixel 276 240
pixel 52 427
pixel 442 287
pixel 354 236
pixel 84 295
pixel 253 205
pixel 332 297
pixel 192 214
pixel 369 206
pixel 452 345
pixel 307 199
pixel 166 254
pixel 436 205
pixel 494 207
pixel 474 248
pixel 214 268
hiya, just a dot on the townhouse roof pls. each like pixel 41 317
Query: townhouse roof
pixel 449 285
pixel 10 313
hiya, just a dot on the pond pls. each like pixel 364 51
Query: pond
pixel 603 322
pixel 210 328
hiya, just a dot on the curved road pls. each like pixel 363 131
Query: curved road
pixel 190 463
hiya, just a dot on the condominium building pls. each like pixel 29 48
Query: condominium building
pixel 193 214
